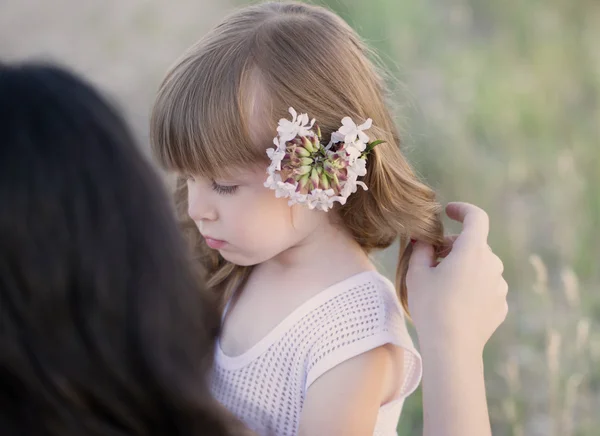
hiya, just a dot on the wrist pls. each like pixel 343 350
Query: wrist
pixel 446 348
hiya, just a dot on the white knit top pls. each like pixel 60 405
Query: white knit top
pixel 265 387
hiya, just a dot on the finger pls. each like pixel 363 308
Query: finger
pixel 447 247
pixel 476 223
pixel 499 264
pixel 470 215
pixel 503 288
pixel 422 256
pixel 504 312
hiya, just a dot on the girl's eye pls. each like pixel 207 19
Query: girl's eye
pixel 222 189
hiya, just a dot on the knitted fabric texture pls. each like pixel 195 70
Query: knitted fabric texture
pixel 266 386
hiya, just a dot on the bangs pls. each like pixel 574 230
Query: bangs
pixel 200 120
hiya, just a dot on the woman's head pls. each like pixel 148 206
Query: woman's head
pixel 217 111
pixel 104 329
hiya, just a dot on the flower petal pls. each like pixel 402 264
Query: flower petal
pixel 346 130
pixel 363 136
pixel 347 121
pixel 363 185
pixel 366 125
pixel 302 120
pixel 359 167
pixel 350 137
pixel 337 136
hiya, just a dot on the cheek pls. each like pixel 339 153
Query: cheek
pixel 267 224
pixel 306 221
pixel 266 221
pixel 271 220
pixel 278 226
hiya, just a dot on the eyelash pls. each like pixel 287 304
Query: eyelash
pixel 224 190
pixel 219 189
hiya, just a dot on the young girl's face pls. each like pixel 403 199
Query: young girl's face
pixel 244 220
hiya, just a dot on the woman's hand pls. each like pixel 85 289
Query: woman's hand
pixel 459 301
pixel 456 305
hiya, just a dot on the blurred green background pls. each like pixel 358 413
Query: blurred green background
pixel 499 105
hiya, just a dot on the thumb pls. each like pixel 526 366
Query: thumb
pixel 423 256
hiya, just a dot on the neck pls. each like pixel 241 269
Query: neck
pixel 328 246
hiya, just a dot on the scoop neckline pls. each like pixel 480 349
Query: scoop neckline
pixel 234 362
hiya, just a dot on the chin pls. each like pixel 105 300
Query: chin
pixel 239 260
pixel 242 260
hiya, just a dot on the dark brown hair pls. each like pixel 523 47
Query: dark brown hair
pixel 104 328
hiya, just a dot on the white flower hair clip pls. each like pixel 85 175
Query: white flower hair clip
pixel 310 173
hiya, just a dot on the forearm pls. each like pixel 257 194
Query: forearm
pixel 454 398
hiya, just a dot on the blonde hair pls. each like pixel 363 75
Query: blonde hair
pixel 302 56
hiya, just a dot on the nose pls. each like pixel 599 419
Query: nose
pixel 200 206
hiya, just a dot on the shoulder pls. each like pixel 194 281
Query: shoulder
pixel 361 314
pixel 362 306
pixel 365 293
pixel 362 358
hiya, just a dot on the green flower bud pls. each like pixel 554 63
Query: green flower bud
pixel 308 145
pixel 324 181
pixel 335 183
pixel 303 152
pixel 314 178
pixel 303 182
pixel 305 169
pixel 316 142
pixel 305 161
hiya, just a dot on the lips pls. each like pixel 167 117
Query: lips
pixel 216 244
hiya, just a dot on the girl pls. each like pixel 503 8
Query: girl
pixel 284 215
pixel 101 334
